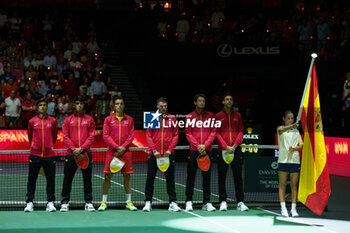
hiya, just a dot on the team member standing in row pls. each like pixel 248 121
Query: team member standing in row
pixel 78 135
pixel 42 135
pixel 162 142
pixel 229 137
pixel 200 140
pixel 118 133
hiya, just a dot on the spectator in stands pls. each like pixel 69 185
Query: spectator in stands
pixel 3 21
pixel 12 109
pixel 63 110
pixel 2 110
pixel 323 33
pixel 68 53
pixel 17 71
pixel 346 91
pixel 182 28
pixel 217 22
pixel 10 86
pixel 51 105
pixel 200 141
pixel 102 108
pixel 71 87
pixel 97 87
pixel 77 45
pixel 7 75
pixel 47 24
pixel 30 61
pixel 28 29
pixel 49 60
pixel 75 65
pixel 31 74
pixel 36 94
pixel 14 24
pixel 92 46
pixel 28 110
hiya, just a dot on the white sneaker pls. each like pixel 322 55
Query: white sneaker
pixel 174 207
pixel 189 206
pixel 242 207
pixel 208 207
pixel 64 207
pixel 29 207
pixel 223 206
pixel 294 213
pixel 147 207
pixel 89 207
pixel 50 207
pixel 284 213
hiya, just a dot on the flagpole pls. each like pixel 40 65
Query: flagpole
pixel 314 56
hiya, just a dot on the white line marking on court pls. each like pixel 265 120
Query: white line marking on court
pixel 199 190
pixel 212 221
pixel 135 190
pixel 290 219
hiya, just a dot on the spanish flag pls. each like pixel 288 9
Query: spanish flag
pixel 314 185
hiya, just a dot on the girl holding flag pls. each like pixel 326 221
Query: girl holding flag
pixel 289 143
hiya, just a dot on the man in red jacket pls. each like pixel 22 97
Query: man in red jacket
pixel 78 135
pixel 200 139
pixel 229 137
pixel 118 133
pixel 42 134
pixel 162 142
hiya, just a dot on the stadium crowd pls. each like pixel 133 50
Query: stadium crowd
pixel 41 56
pixel 313 25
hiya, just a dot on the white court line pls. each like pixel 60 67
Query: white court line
pixel 212 221
pixel 199 190
pixel 135 190
pixel 295 220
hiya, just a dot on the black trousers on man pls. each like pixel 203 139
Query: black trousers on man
pixel 236 166
pixel 49 166
pixel 191 176
pixel 70 168
pixel 152 169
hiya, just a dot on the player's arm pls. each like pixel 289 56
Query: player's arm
pixel 149 140
pixel 131 135
pixel 239 137
pixel 190 138
pixel 219 139
pixel 175 139
pixel 54 132
pixel 91 136
pixel 30 132
pixel 106 136
pixel 66 136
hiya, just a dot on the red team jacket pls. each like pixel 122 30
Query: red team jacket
pixel 42 134
pixel 165 138
pixel 202 135
pixel 231 130
pixel 117 133
pixel 78 131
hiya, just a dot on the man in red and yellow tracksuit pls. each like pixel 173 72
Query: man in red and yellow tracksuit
pixel 230 136
pixel 162 142
pixel 118 133
pixel 78 135
pixel 200 140
pixel 42 134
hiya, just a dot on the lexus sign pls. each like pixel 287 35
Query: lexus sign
pixel 226 50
